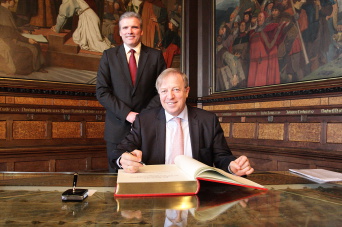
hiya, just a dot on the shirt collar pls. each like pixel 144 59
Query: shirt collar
pixel 183 115
pixel 137 48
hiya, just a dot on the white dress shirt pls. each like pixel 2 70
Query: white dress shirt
pixel 171 127
pixel 136 54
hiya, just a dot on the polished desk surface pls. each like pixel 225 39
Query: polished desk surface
pixel 35 199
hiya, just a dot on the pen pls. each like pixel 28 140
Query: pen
pixel 134 155
pixel 74 182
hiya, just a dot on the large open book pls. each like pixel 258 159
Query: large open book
pixel 181 178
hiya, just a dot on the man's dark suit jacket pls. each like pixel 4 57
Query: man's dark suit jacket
pixel 149 134
pixel 115 91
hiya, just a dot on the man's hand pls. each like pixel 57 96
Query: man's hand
pixel 131 117
pixel 130 161
pixel 241 166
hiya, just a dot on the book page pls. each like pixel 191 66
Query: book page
pixel 197 169
pixel 154 173
pixel 223 176
pixel 38 38
pixel 190 166
pixel 319 174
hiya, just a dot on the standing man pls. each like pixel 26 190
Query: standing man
pixel 125 85
pixel 160 134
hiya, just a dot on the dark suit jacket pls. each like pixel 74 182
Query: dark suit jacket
pixel 149 133
pixel 115 91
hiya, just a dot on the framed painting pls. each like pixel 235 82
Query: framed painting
pixel 64 44
pixel 260 44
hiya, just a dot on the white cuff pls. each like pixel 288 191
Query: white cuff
pixel 230 171
pixel 118 162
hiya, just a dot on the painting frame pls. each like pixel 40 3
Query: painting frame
pixel 332 83
pixel 22 84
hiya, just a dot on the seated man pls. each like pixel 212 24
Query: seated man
pixel 152 137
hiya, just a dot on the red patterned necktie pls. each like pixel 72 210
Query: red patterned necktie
pixel 132 66
pixel 178 141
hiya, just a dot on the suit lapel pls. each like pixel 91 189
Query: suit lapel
pixel 194 132
pixel 121 56
pixel 161 136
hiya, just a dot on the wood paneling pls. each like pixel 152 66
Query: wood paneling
pixel 271 131
pixel 226 129
pixel 334 133
pixel 282 134
pixel 244 130
pixel 66 130
pixel 305 132
pixel 3 130
pixel 29 130
pixel 51 133
pixel 32 166
pixel 95 129
pixel 69 165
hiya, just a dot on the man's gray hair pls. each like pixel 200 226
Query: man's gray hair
pixel 130 15
pixel 169 71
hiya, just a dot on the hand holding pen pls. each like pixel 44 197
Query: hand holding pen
pixel 131 161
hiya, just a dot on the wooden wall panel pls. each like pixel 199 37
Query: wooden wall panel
pixel 99 163
pixel 3 130
pixel 29 130
pixel 70 165
pixel 305 132
pixel 244 130
pixel 283 134
pixel 226 129
pixel 32 166
pixel 51 133
pixel 95 129
pixel 66 130
pixel 271 131
pixel 334 133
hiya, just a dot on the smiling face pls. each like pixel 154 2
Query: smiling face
pixel 173 93
pixel 130 31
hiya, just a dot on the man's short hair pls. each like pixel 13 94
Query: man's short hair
pixel 169 71
pixel 130 15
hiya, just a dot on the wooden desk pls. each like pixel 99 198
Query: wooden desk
pixel 35 198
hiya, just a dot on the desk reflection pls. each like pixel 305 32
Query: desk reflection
pixel 212 200
pixel 35 199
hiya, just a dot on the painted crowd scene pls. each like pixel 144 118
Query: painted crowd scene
pixel 270 42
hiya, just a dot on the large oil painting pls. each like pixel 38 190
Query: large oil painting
pixel 269 42
pixel 63 40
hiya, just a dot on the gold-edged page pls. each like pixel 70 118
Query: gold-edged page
pixel 157 188
pixel 156 203
pixel 155 179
